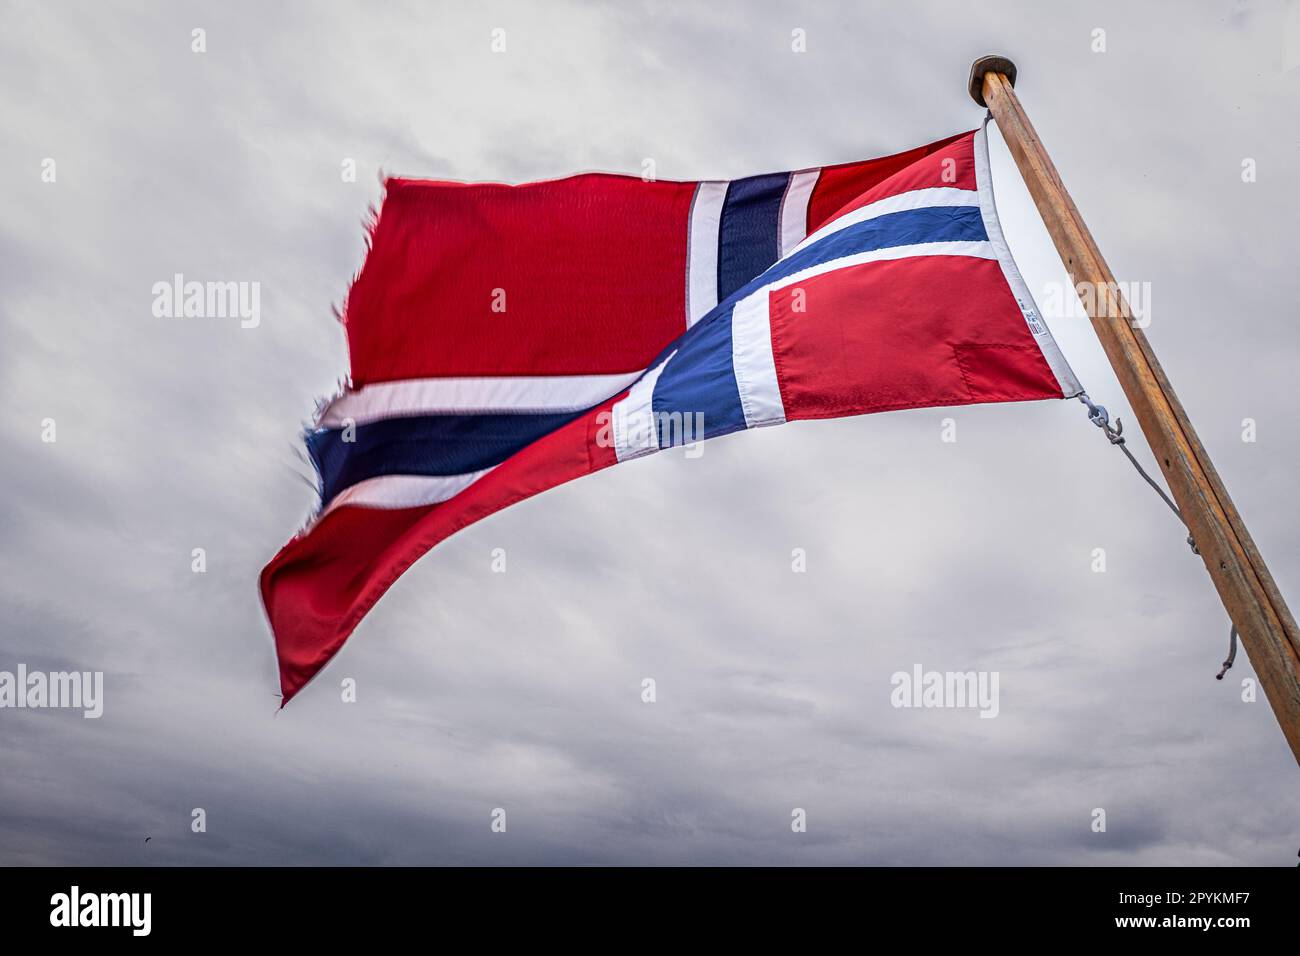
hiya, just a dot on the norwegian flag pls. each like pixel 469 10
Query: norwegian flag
pixel 507 339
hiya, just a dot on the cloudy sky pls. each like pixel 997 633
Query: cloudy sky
pixel 522 690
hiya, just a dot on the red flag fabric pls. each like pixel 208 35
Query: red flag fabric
pixel 506 339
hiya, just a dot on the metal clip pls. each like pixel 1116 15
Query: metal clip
pixel 1098 415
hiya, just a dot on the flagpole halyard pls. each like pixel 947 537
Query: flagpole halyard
pixel 1242 579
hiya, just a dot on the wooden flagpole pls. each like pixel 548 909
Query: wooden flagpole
pixel 1247 590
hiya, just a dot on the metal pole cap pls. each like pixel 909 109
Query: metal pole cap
pixel 989 64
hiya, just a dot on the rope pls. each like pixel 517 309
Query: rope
pixel 1232 653
pixel 1098 415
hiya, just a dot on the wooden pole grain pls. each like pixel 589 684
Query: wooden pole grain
pixel 1245 586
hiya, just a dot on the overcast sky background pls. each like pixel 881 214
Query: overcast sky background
pixel 522 690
